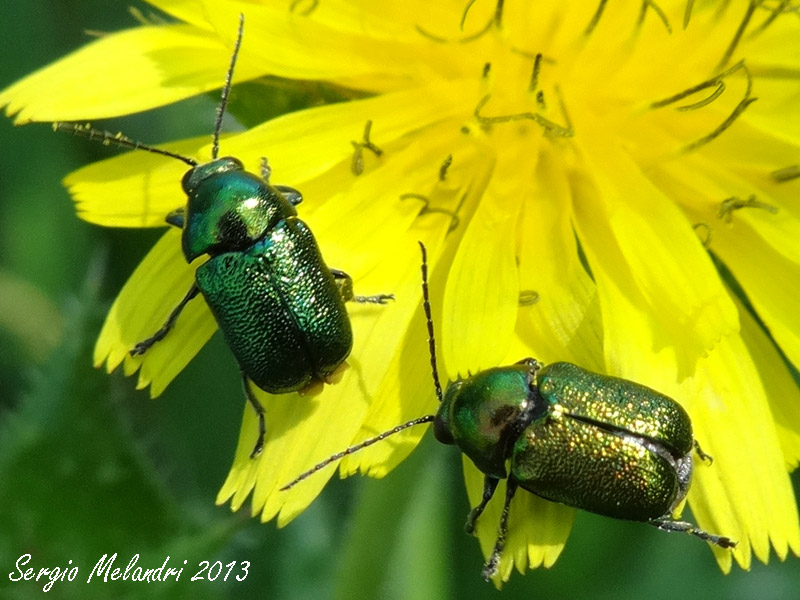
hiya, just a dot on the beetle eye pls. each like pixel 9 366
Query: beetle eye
pixel 187 177
pixel 441 431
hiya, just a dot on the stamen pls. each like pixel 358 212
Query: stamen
pixel 707 241
pixel 700 86
pixel 495 21
pixel 464 14
pixel 662 15
pixel 738 110
pixel 426 208
pixel 595 18
pixel 357 162
pixel 687 13
pixel 537 67
pixel 266 170
pixel 738 35
pixel 313 4
pixel 448 160
pixel 786 173
pixel 551 129
pixel 774 13
pixel 729 205
pixel 714 81
pixel 562 105
pixel 705 101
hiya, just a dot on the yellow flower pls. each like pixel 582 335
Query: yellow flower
pixel 631 164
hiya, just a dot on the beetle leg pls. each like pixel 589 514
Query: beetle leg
pixel 337 375
pixel 534 366
pixel 494 560
pixel 489 486
pixel 667 524
pixel 143 346
pixel 345 284
pixel 291 194
pixel 262 427
pixel 176 217
pixel 703 456
pixel 314 388
pixel 376 299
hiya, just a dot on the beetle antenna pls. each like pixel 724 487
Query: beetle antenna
pixel 117 139
pixel 426 306
pixel 226 89
pixel 356 448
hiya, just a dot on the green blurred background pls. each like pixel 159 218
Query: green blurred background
pixel 89 466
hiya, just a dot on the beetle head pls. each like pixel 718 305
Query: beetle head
pixel 485 413
pixel 228 208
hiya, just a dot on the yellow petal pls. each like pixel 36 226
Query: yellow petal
pixel 780 387
pixel 482 293
pixel 304 145
pixel 769 279
pixel 123 73
pixel 758 246
pixel 656 257
pixel 745 494
pixel 306 48
pixel 564 321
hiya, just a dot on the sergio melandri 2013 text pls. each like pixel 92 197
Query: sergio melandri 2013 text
pixel 105 570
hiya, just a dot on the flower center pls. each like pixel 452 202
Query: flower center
pixel 667 81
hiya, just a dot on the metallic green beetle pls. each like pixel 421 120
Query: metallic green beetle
pixel 602 444
pixel 280 308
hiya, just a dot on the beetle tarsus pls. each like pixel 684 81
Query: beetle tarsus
pixel 262 427
pixel 292 195
pixel 685 527
pixel 345 283
pixel 703 456
pixel 489 486
pixel 143 346
pixel 376 299
pixel 490 569
pixel 176 218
